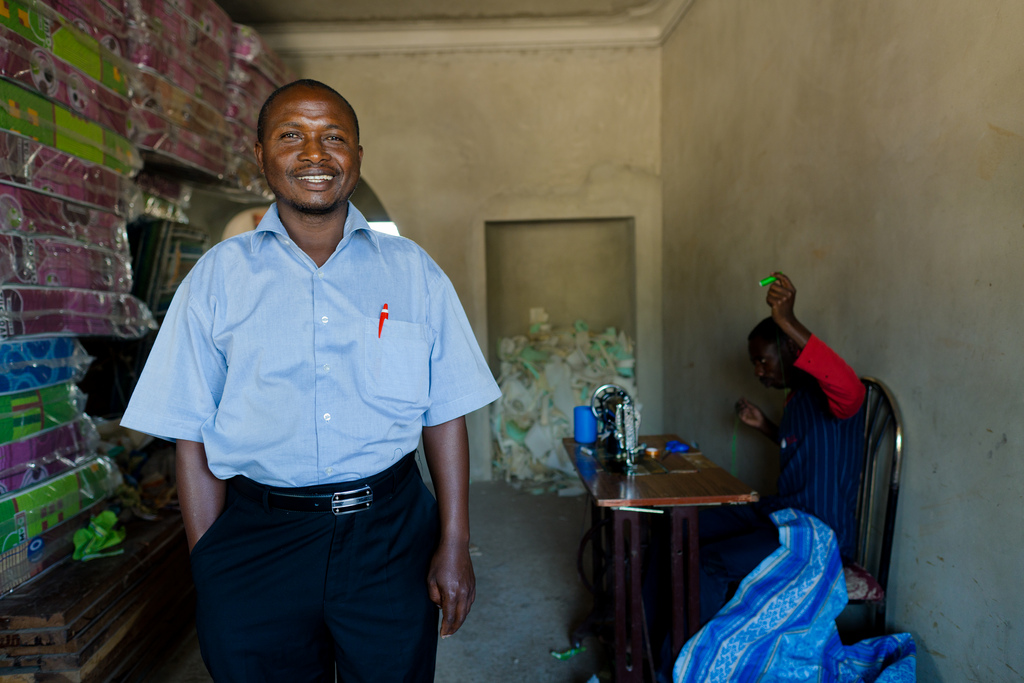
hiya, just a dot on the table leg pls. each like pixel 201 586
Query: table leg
pixel 685 572
pixel 599 537
pixel 629 660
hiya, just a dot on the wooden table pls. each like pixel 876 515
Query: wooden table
pixel 682 493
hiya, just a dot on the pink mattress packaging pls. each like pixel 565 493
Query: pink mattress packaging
pixel 31 164
pixel 26 112
pixel 36 67
pixel 168 143
pixel 57 262
pixel 176 128
pixel 242 140
pixel 181 107
pixel 256 71
pixel 163 197
pixel 43 455
pixel 246 176
pixel 62 37
pixel 195 33
pixel 28 312
pixel 100 20
pixel 244 103
pixel 248 47
pixel 27 211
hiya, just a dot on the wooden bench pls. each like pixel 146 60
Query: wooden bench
pixel 110 619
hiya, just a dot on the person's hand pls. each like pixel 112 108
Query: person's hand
pixel 751 415
pixel 781 297
pixel 451 585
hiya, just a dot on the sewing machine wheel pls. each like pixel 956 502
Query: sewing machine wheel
pixel 603 394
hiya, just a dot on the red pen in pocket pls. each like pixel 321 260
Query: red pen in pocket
pixel 383 317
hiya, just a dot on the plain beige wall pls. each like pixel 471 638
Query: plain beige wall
pixel 455 140
pixel 873 151
pixel 573 269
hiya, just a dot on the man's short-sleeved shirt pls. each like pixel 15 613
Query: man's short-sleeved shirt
pixel 292 375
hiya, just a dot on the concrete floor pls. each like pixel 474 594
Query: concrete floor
pixel 528 597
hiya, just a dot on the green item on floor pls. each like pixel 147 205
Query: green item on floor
pixel 97 537
pixel 562 655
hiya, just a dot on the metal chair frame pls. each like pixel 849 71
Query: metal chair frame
pixel 883 425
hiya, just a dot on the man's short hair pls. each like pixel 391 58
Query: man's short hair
pixel 308 83
pixel 768 330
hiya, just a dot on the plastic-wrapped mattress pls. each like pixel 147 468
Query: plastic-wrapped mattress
pixel 30 164
pixel 30 212
pixel 44 455
pixel 32 364
pixel 43 312
pixel 35 532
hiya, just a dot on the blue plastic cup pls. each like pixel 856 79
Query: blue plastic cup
pixel 584 424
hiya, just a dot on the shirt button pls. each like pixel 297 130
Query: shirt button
pixel 329 470
pixel 327 368
pixel 320 274
pixel 327 417
pixel 324 320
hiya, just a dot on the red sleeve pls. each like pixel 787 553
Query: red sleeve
pixel 840 383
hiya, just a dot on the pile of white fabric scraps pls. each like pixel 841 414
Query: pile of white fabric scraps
pixel 543 377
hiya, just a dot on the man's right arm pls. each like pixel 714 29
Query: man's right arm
pixel 200 494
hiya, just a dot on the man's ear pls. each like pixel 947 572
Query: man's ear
pixel 257 150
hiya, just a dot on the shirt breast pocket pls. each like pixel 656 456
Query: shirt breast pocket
pixel 397 361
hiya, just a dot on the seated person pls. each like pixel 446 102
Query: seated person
pixel 820 440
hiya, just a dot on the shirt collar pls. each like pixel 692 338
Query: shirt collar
pixel 355 224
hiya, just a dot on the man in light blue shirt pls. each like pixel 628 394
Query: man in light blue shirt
pixel 297 368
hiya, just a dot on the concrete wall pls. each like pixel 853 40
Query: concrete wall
pixel 455 140
pixel 873 151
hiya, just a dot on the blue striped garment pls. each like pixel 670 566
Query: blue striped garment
pixel 820 461
pixel 780 626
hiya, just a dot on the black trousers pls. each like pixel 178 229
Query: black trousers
pixel 290 596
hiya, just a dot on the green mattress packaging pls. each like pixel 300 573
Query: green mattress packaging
pixel 30 114
pixel 37 524
pixel 23 413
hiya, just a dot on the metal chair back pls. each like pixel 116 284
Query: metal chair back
pixel 880 484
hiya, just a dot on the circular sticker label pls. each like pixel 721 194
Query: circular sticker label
pixel 35 549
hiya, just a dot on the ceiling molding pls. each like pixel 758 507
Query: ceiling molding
pixel 647 26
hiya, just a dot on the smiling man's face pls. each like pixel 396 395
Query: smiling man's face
pixel 310 152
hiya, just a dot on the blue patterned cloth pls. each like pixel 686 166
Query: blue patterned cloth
pixel 41 363
pixel 780 626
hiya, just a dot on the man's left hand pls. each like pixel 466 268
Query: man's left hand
pixel 452 585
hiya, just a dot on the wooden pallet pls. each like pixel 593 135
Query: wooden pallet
pixel 109 619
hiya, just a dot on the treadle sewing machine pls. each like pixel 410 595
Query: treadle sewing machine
pixel 618 434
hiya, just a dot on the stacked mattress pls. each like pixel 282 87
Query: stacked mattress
pixel 256 71
pixel 49 471
pixel 180 50
pixel 66 167
pixel 67 162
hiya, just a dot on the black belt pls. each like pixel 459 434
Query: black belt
pixel 341 498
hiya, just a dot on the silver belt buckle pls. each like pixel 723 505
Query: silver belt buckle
pixel 346 502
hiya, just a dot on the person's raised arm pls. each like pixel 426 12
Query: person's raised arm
pixel 781 297
pixel 200 494
pixel 450 581
pixel 837 379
